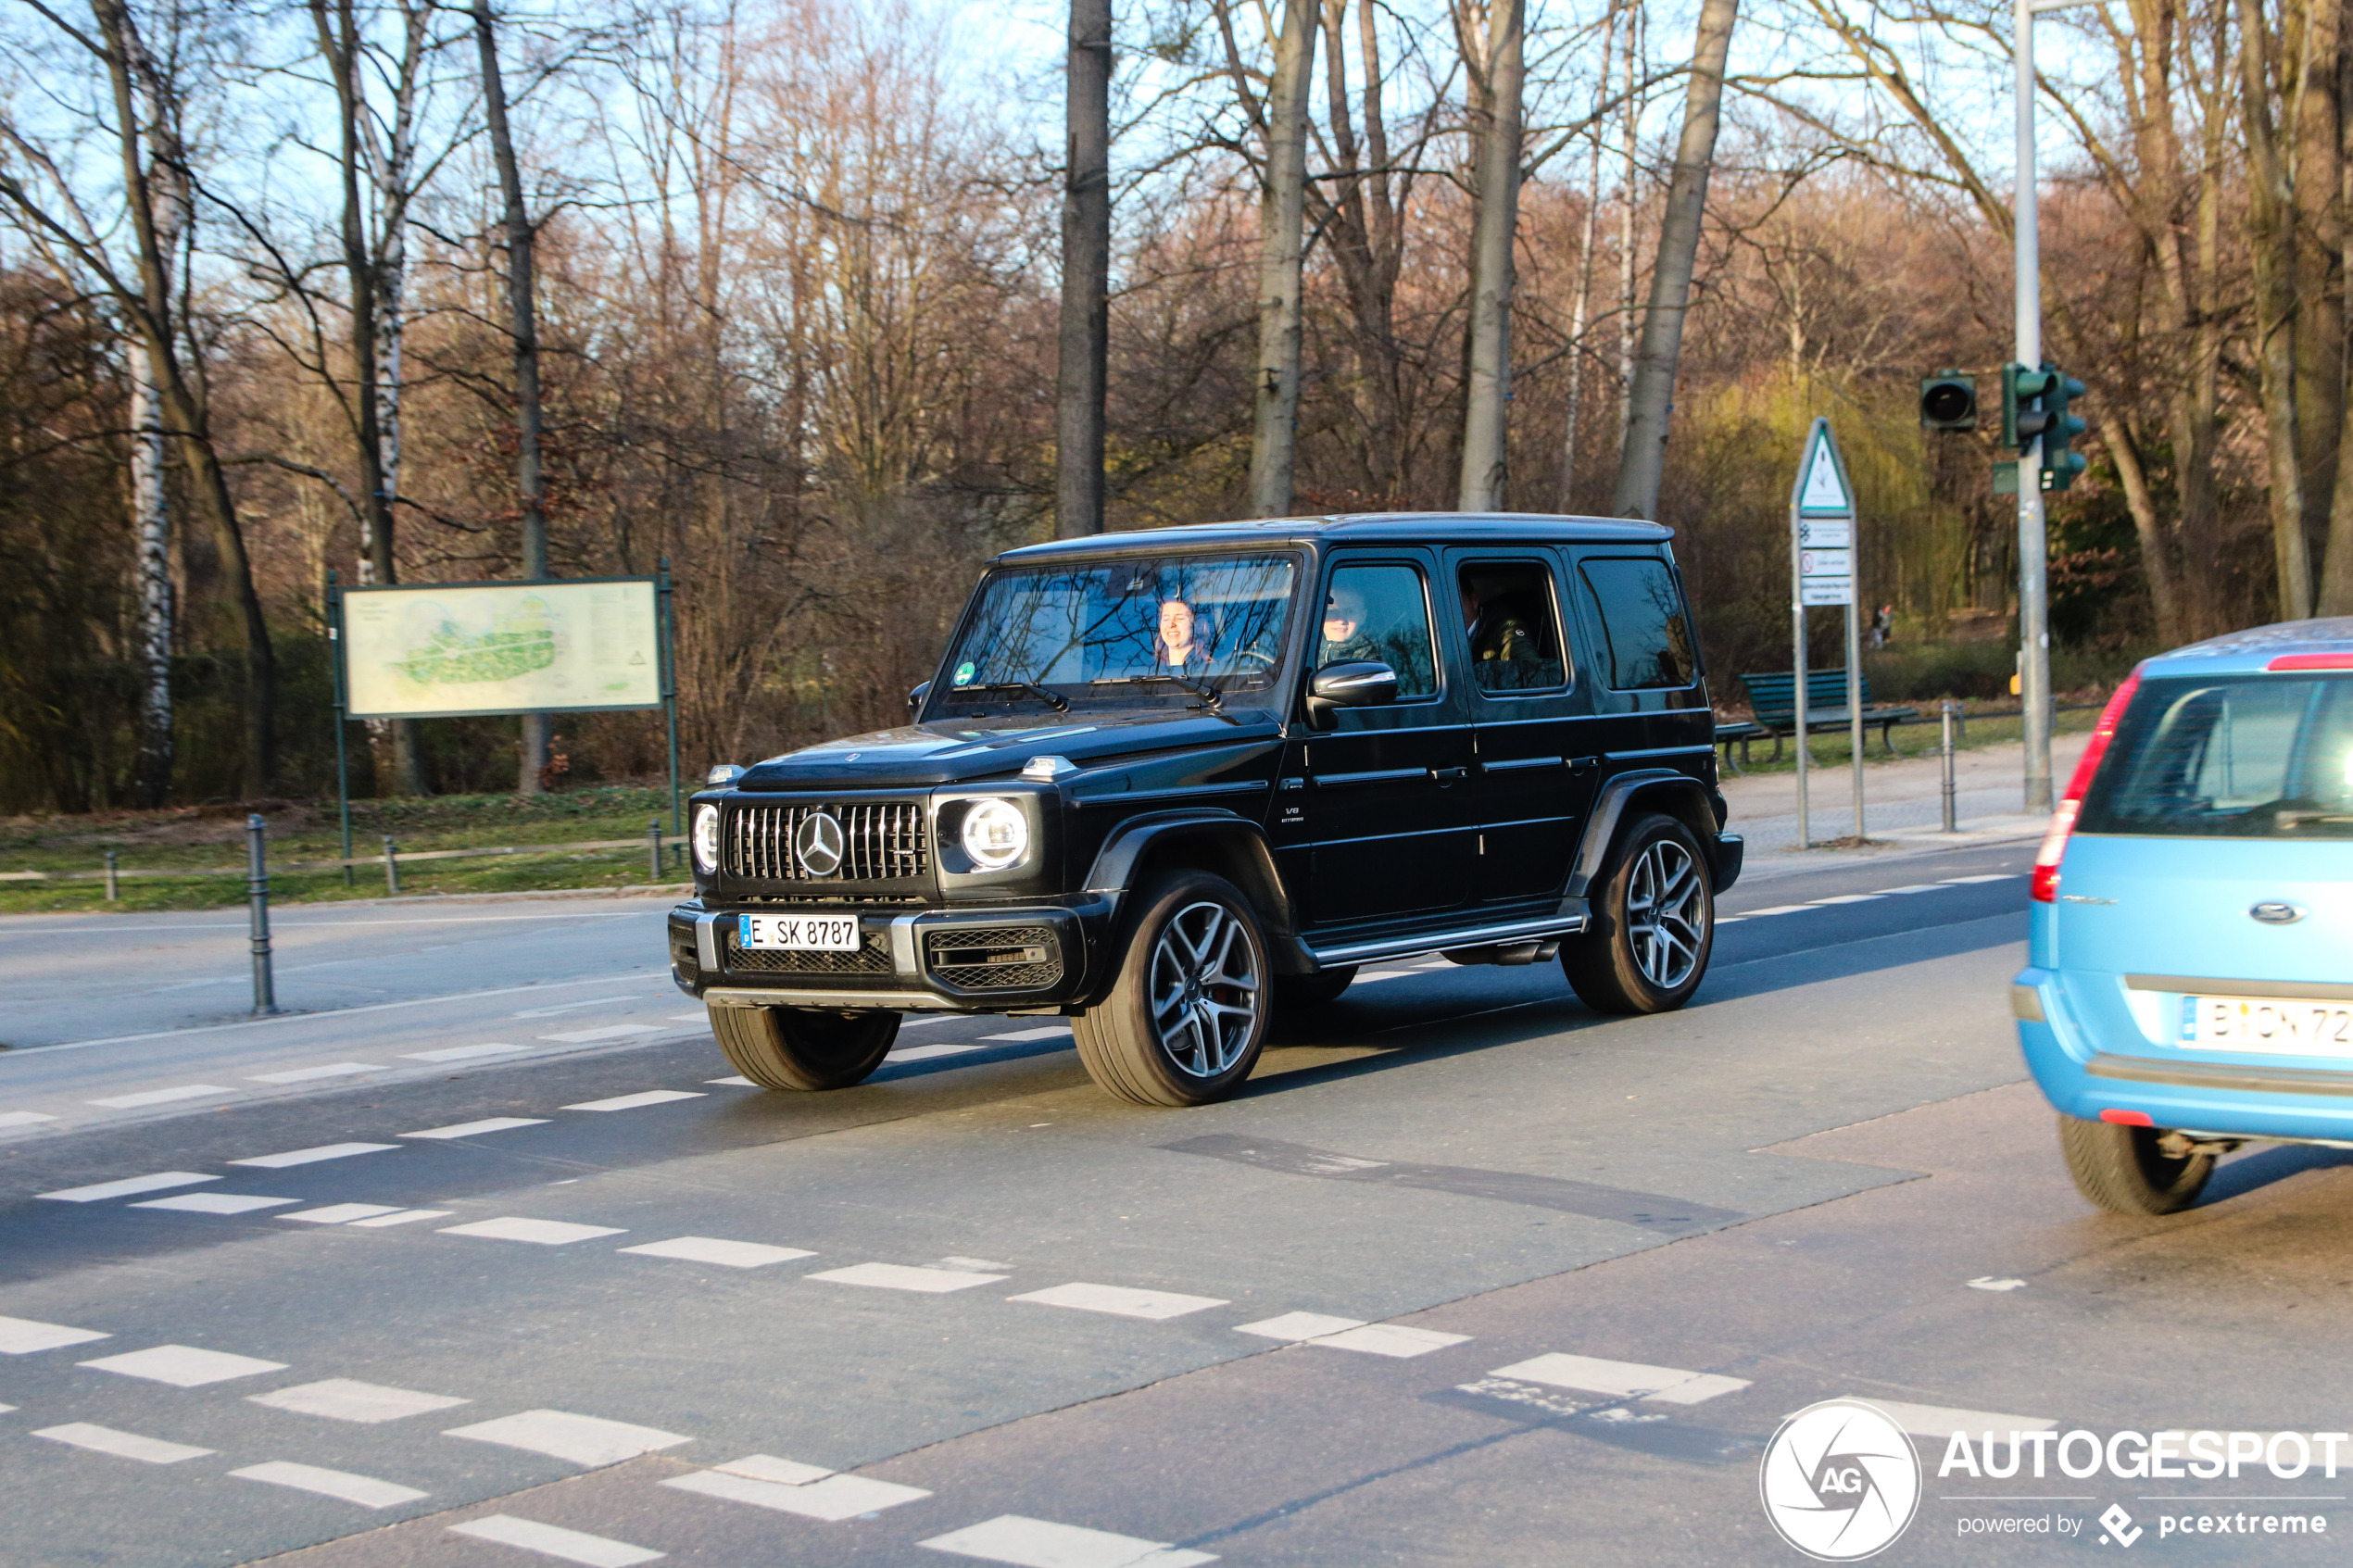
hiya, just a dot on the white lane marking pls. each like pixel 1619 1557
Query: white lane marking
pixel 312 1156
pixel 691 1018
pixel 1622 1380
pixel 6 1408
pixel 609 1032
pixel 338 1213
pixel 1990 1282
pixel 899 1276
pixel 462 1053
pixel 304 1074
pixel 768 1467
pixel 1916 887
pixel 910 1023
pixel 583 1439
pixel 475 1129
pixel 979 1265
pixel 925 1053
pixel 544 1233
pixel 405 1216
pixel 128 1185
pixel 1041 1543
pixel 1397 973
pixel 24 1118
pixel 834 1498
pixel 344 1398
pixel 160 1096
pixel 570 1007
pixel 1779 909
pixel 22 1336
pixel 554 1540
pixel 1053 1031
pixel 1730 920
pixel 122 1445
pixel 630 1103
pixel 738 1082
pixel 1964 881
pixel 365 1490
pixel 183 1366
pixel 1119 1301
pixel 1850 898
pixel 726 1254
pixel 1392 1339
pixel 1296 1326
pixel 216 1202
pixel 1939 1420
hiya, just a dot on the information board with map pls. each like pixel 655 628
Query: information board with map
pixel 439 650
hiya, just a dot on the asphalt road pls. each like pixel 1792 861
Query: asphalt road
pixel 1469 1277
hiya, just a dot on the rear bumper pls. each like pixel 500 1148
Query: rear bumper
pixel 1024 958
pixel 1725 856
pixel 2084 1075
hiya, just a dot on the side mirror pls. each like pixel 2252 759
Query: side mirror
pixel 1355 683
pixel 915 699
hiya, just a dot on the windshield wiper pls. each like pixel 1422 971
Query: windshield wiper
pixel 1053 698
pixel 1209 697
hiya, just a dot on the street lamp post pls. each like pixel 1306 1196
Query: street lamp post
pixel 2033 540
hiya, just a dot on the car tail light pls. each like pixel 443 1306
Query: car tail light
pixel 2312 662
pixel 2045 887
pixel 2127 1118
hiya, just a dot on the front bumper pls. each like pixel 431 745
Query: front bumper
pixel 1022 958
pixel 2085 1074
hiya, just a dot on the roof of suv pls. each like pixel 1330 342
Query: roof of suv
pixel 1452 528
pixel 2252 650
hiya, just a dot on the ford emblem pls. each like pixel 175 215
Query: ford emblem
pixel 817 844
pixel 2276 911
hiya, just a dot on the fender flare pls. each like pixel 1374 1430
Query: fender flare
pixel 1609 808
pixel 1250 865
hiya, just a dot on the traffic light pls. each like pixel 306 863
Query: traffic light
pixel 2059 465
pixel 2023 416
pixel 1948 401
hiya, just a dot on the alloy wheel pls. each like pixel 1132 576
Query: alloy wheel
pixel 1664 913
pixel 1206 991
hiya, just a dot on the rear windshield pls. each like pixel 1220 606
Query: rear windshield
pixel 2229 757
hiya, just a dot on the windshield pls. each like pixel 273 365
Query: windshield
pixel 1175 627
pixel 2236 757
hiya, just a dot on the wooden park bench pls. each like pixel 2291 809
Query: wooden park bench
pixel 1772 700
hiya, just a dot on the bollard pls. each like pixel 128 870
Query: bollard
pixel 265 990
pixel 113 891
pixel 653 858
pixel 1952 802
pixel 392 866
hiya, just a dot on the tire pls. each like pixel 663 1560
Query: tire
pixel 1298 993
pixel 804 1048
pixel 1186 1018
pixel 1653 923
pixel 2123 1171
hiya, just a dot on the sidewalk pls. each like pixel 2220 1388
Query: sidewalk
pixel 1903 806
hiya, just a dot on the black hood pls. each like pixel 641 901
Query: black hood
pixel 952 750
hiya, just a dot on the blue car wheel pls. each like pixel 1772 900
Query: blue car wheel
pixel 2126 1170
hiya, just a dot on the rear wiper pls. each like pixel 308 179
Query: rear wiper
pixel 1053 699
pixel 1209 697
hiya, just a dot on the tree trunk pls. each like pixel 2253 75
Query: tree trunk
pixel 1362 237
pixel 1629 213
pixel 1282 211
pixel 152 782
pixel 2271 245
pixel 1642 461
pixel 1081 377
pixel 1581 308
pixel 1486 396
pixel 2320 281
pixel 523 324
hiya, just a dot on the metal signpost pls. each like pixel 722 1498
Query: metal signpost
pixel 1821 565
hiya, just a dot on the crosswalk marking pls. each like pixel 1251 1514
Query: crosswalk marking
pixel 128 1185
pixel 630 1103
pixel 925 1053
pixel 475 1129
pixel 216 1202
pixel 1297 1327
pixel 462 1053
pixel 1398 1340
pixel 833 1498
pixel 609 1032
pixel 160 1096
pixel 341 1214
pixel 1120 1301
pixel 22 1336
pixel 401 1217
pixel 726 1254
pixel 768 1467
pixel 345 1398
pixel 554 1540
pixel 583 1439
pixel 365 1490
pixel 1053 1031
pixel 1622 1380
pixel 1041 1543
pixel 122 1445
pixel 183 1366
pixel 900 1277
pixel 24 1118
pixel 313 1156
pixel 304 1074
pixel 542 1233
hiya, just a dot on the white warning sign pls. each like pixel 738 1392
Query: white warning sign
pixel 1822 491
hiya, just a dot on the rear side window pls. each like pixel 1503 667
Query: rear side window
pixel 1380 612
pixel 2229 757
pixel 1640 613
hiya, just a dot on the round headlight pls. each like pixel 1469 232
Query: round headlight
pixel 706 834
pixel 996 835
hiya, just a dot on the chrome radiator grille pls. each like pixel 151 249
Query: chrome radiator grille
pixel 881 841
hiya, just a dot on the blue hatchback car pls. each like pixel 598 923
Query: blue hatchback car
pixel 2189 983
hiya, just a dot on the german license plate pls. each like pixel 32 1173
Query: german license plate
pixel 2287 1024
pixel 823 934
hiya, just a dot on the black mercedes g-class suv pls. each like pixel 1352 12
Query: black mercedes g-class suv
pixel 1167 782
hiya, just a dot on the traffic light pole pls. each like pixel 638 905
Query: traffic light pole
pixel 2034 543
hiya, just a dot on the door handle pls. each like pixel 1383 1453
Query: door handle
pixel 1449 775
pixel 1583 764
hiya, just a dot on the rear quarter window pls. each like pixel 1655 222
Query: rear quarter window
pixel 1646 639
pixel 2229 757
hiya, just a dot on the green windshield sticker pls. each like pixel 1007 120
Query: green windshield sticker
pixel 965 673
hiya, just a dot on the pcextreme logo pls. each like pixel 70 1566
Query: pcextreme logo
pixel 1840 1481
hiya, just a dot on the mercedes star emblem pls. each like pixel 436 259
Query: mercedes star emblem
pixel 817 844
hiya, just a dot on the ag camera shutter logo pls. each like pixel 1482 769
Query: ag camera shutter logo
pixel 1840 1481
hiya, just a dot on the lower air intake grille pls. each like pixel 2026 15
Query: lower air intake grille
pixel 871 958
pixel 995 958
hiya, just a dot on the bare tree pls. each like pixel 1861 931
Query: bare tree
pixel 1085 345
pixel 1642 462
pixel 1580 311
pixel 1498 76
pixel 1282 207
